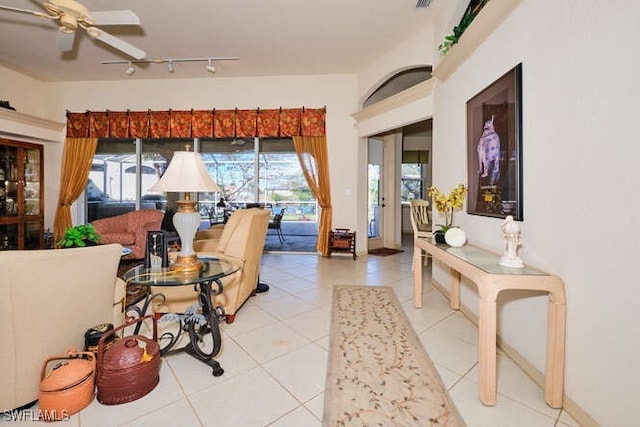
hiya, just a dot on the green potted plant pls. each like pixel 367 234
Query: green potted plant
pixel 79 236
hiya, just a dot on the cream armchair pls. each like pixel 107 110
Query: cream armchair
pixel 242 238
pixel 48 299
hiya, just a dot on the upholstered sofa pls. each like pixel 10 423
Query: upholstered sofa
pixel 48 299
pixel 130 229
pixel 242 238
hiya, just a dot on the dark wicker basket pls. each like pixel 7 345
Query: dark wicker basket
pixel 93 335
pixel 130 369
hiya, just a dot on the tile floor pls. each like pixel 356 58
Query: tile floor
pixel 275 355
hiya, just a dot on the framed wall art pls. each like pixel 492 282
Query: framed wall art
pixel 494 148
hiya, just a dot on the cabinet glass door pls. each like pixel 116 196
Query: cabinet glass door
pixel 8 237
pixel 31 182
pixel 32 235
pixel 8 181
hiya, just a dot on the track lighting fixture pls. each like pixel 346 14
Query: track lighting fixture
pixel 210 67
pixel 130 69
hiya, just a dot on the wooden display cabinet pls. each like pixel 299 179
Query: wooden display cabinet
pixel 342 240
pixel 21 195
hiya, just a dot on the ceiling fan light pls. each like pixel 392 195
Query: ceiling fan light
pixel 130 69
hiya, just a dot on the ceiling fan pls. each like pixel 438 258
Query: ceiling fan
pixel 72 15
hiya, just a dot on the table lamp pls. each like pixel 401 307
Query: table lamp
pixel 186 173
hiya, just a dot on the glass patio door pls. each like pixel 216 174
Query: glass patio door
pixel 375 201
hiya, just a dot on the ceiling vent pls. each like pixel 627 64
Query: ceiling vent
pixel 423 3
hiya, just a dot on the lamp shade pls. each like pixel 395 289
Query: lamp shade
pixel 186 173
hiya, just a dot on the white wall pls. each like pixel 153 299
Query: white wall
pixel 415 51
pixel 25 94
pixel 581 115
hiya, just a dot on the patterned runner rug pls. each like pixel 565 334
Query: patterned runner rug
pixel 378 372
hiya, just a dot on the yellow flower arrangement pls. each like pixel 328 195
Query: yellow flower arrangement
pixel 447 204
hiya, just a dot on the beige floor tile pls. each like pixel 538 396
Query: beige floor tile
pixel 567 420
pixel 452 353
pixel 313 324
pixel 250 399
pixel 457 325
pixel 435 309
pixel 294 285
pixel 194 375
pixel 316 406
pixel 302 372
pixel 271 341
pixel 178 413
pixel 297 418
pixel 285 307
pixel 248 318
pixel 317 296
pixel 507 413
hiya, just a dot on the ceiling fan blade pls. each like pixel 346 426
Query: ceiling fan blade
pixel 30 12
pixel 114 17
pixel 115 42
pixel 65 40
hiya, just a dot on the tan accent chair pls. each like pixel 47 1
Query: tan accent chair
pixel 130 229
pixel 48 299
pixel 242 239
pixel 420 222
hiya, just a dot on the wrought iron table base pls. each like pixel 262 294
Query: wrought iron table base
pixel 197 324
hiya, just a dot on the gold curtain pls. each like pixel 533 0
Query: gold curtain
pixel 313 158
pixel 76 164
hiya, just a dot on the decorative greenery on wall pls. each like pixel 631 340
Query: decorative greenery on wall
pixel 472 11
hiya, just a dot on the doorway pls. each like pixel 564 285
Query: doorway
pixel 375 196
pixel 398 170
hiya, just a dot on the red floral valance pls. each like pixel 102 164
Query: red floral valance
pixel 197 124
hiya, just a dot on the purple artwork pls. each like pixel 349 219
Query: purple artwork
pixel 489 153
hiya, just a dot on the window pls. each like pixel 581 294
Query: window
pixel 116 181
pixel 110 190
pixel 412 183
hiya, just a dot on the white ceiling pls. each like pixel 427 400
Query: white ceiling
pixel 271 37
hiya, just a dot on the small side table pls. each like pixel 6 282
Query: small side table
pixel 342 240
pixel 201 320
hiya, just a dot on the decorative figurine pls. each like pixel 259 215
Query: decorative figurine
pixel 511 233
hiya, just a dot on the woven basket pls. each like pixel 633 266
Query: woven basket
pixel 93 335
pixel 129 369
pixel 68 386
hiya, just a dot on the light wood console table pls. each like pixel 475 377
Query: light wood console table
pixel 482 267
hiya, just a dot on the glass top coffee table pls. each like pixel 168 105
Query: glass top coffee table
pixel 201 320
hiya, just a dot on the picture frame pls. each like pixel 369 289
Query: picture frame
pixel 156 253
pixel 494 148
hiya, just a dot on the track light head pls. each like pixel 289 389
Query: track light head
pixel 130 70
pixel 170 66
pixel 211 68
